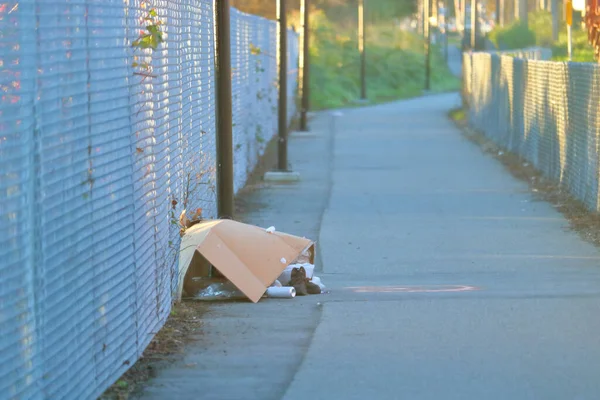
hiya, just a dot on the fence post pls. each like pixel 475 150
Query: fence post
pixel 282 163
pixel 225 208
pixel 305 64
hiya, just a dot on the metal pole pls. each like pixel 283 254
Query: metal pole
pixel 458 14
pixel 463 14
pixel 225 193
pixel 436 16
pixel 427 24
pixel 282 163
pixel 521 11
pixel 446 15
pixel 420 29
pixel 362 48
pixel 473 24
pixel 554 10
pixel 304 65
pixel 465 18
pixel 569 43
pixel 569 20
pixel 498 8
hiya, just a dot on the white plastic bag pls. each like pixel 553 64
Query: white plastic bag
pixel 317 281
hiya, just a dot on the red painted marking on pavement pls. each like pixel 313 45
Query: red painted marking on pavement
pixel 412 289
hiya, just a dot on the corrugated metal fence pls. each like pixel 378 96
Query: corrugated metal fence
pixel 547 112
pixel 93 158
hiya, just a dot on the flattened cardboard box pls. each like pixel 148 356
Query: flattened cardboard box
pixel 248 256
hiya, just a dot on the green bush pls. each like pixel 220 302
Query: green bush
pixel 514 36
pixel 540 23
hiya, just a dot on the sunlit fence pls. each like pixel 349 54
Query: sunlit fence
pixel 547 112
pixel 102 145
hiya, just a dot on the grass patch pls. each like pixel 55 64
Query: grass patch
pixel 395 65
pixel 454 40
pixel 457 115
pixel 582 50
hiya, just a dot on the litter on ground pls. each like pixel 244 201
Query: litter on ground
pixel 230 260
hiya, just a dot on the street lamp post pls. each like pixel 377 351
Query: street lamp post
pixel 427 24
pixel 362 48
pixel 282 161
pixel 473 24
pixel 304 65
pixel 225 200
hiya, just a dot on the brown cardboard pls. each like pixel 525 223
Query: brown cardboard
pixel 248 256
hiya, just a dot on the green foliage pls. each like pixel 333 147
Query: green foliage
pixel 582 50
pixel 339 11
pixel 458 114
pixel 148 39
pixel 254 50
pixel 513 36
pixel 395 59
pixel 395 65
pixel 154 37
pixel 540 24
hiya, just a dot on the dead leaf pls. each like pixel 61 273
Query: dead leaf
pixel 183 219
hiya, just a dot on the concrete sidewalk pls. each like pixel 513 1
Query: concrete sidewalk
pixel 449 280
pixel 416 209
pixel 455 60
pixel 252 351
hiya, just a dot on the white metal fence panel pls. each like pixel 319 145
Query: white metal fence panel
pixel 19 339
pixel 544 111
pixel 97 161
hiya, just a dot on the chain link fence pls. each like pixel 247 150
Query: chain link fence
pixel 97 161
pixel 547 112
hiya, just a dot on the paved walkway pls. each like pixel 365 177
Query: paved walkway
pixel 455 60
pixel 414 204
pixel 449 280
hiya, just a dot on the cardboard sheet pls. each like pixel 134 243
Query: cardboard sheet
pixel 248 256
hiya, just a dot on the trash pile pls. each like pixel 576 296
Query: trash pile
pixel 297 279
pixel 229 260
